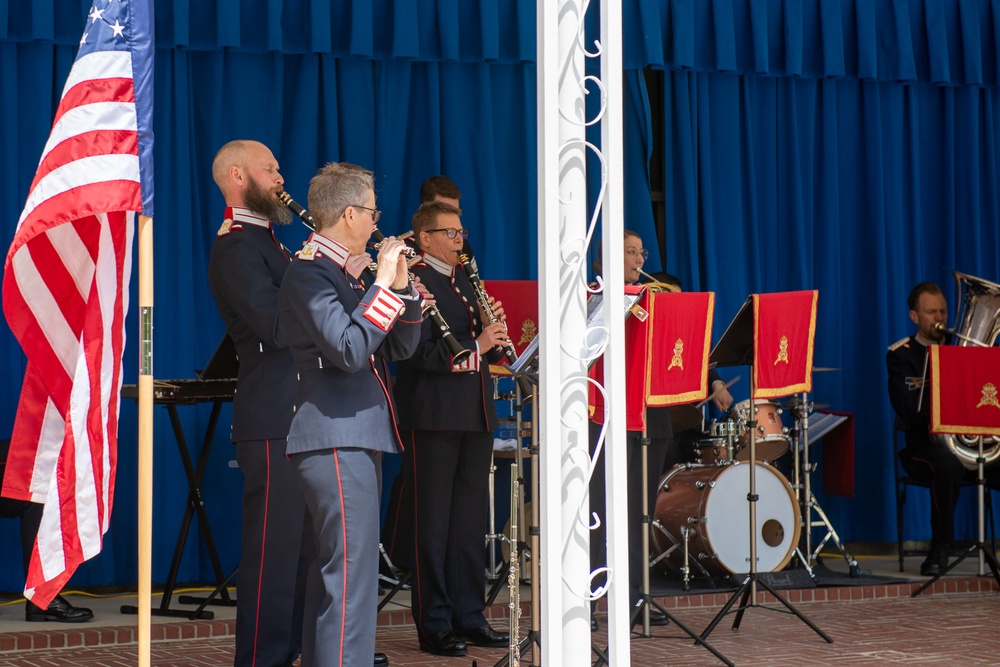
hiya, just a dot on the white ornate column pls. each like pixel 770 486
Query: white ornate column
pixel 565 229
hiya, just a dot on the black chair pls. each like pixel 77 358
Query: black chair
pixel 903 481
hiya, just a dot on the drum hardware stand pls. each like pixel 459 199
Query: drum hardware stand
pixel 985 554
pixel 808 501
pixel 683 543
pixel 645 601
pixel 740 337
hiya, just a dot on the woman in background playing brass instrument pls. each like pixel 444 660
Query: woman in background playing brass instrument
pixel 660 433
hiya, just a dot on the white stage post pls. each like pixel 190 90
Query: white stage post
pixel 564 239
pixel 562 216
pixel 612 250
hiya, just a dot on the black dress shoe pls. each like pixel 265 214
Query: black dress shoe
pixel 485 636
pixel 658 618
pixel 381 659
pixel 443 643
pixel 936 561
pixel 59 610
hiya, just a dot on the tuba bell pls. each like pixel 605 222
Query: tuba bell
pixel 978 324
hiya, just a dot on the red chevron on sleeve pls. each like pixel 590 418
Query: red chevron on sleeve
pixel 384 309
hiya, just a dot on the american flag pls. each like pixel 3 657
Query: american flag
pixel 66 286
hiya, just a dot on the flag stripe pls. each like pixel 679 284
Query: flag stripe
pixel 107 141
pixel 95 91
pixel 96 66
pixel 98 169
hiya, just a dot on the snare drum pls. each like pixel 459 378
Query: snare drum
pixel 711 502
pixel 770 441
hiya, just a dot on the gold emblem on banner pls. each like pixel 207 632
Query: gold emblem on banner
pixel 678 360
pixel 989 396
pixel 528 332
pixel 782 350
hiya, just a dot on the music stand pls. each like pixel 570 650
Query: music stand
pixel 985 555
pixel 736 348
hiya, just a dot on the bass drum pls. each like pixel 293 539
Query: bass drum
pixel 711 501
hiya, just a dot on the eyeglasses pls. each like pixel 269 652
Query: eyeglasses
pixel 376 214
pixel 450 232
pixel 633 253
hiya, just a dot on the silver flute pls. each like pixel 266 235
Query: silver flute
pixel 514 573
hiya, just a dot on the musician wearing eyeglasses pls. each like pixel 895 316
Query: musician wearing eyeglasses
pixel 659 429
pixel 924 457
pixel 450 417
pixel 342 327
pixel 245 271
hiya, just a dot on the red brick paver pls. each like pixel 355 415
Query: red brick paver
pixel 928 631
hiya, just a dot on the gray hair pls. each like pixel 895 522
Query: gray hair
pixel 335 187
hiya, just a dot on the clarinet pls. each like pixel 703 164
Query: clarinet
pixel 458 352
pixel 484 302
pixel 471 270
pixel 297 209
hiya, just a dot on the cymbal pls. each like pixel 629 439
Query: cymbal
pixel 684 417
pixel 796 402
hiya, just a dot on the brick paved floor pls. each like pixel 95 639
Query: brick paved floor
pixel 870 625
pixel 931 631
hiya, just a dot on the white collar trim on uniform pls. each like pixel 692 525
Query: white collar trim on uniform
pixel 247 217
pixel 337 251
pixel 438 265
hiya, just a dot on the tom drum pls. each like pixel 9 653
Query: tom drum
pixel 771 440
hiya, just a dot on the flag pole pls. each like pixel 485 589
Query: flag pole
pixel 145 435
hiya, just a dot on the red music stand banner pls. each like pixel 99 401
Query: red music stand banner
pixel 964 382
pixel 666 355
pixel 784 326
pixel 520 306
pixel 678 342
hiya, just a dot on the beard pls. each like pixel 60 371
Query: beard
pixel 265 204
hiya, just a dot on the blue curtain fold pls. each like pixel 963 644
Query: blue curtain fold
pixel 948 43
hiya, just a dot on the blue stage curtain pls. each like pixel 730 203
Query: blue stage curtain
pixel 405 120
pixel 859 189
pixel 845 145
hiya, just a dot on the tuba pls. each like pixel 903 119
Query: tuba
pixel 977 324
